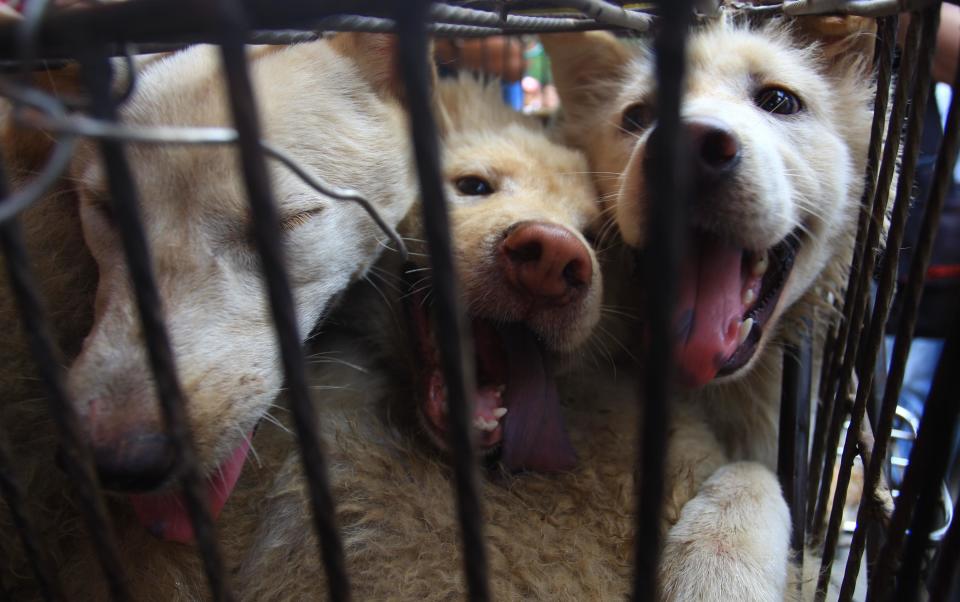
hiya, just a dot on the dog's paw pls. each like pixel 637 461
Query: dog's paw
pixel 732 540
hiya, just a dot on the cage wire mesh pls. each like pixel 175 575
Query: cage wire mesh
pixel 814 467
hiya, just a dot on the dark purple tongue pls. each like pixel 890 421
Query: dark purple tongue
pixel 534 437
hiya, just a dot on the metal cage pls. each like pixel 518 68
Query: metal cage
pixel 897 541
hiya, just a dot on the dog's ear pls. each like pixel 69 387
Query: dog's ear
pixel 583 62
pixel 376 56
pixel 842 39
pixel 27 149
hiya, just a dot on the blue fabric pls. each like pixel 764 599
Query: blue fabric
pixel 917 378
pixel 513 95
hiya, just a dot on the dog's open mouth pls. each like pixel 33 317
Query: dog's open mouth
pixel 516 407
pixel 164 513
pixel 726 295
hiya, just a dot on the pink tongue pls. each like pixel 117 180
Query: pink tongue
pixel 165 514
pixel 534 437
pixel 709 309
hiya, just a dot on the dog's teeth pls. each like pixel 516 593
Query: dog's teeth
pixel 500 412
pixel 760 267
pixel 479 423
pixel 745 327
pixel 749 296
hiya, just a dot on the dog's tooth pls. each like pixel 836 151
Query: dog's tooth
pixel 760 267
pixel 749 296
pixel 500 412
pixel 479 423
pixel 745 327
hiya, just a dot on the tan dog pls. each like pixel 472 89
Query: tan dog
pixel 335 107
pixel 520 207
pixel 778 129
pixel 560 537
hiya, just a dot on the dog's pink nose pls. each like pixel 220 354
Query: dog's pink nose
pixel 715 148
pixel 133 460
pixel 547 261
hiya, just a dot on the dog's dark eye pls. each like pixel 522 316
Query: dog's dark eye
pixel 778 100
pixel 474 186
pixel 636 117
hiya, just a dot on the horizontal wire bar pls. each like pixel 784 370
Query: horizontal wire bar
pixel 81 125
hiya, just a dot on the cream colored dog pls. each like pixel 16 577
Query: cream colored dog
pixel 335 107
pixel 778 127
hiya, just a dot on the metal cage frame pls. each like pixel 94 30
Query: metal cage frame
pixel 98 31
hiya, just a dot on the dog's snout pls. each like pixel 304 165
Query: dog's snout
pixel 546 261
pixel 137 460
pixel 714 147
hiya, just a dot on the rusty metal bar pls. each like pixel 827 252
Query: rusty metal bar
pixel 77 460
pixel 921 259
pixel 794 435
pixel 928 464
pixel 888 275
pixel 888 167
pixel 945 573
pixel 126 209
pixel 668 186
pixel 266 234
pixel 834 351
pixel 15 499
pixel 452 334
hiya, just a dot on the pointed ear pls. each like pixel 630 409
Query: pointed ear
pixel 841 37
pixel 376 56
pixel 583 63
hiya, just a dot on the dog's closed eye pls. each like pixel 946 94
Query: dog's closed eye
pixel 298 219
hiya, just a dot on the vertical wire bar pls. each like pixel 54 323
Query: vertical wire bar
pixel 943 176
pixel 126 209
pixel 946 571
pixel 834 352
pixel 793 437
pixel 874 340
pixel 266 233
pixel 14 497
pixel 77 460
pixel 928 463
pixel 668 187
pixel 455 354
pixel 858 314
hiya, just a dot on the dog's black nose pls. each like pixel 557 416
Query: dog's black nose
pixel 134 461
pixel 715 149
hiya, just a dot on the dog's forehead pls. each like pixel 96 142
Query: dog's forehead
pixel 770 55
pixel 729 58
